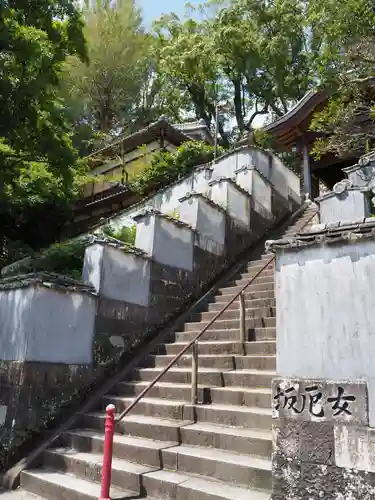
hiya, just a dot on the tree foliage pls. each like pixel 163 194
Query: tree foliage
pixel 344 33
pixel 117 91
pixel 263 54
pixel 38 164
pixel 188 62
pixel 253 53
pixel 166 167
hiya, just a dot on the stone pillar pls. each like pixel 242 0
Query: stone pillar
pixel 165 239
pixel 211 225
pixel 306 168
pixel 315 189
pixel 234 200
pixel 323 397
pixel 259 187
pixel 205 217
pixel 117 272
pixel 121 278
pixel 169 243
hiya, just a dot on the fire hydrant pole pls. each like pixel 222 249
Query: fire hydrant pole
pixel 107 455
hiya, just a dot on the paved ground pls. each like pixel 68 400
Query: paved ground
pixel 17 495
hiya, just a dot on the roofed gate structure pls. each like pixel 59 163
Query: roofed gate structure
pixel 291 132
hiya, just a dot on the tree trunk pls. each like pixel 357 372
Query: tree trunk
pixel 238 104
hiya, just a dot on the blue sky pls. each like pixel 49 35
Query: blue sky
pixel 152 9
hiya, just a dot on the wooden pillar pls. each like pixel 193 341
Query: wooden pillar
pixel 307 181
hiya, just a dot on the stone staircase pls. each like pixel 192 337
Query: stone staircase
pixel 167 448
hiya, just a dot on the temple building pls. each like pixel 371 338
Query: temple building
pixel 121 160
pixel 291 133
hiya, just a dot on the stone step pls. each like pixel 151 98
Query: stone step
pixel 88 466
pixel 222 324
pixel 207 376
pixel 233 468
pixel 249 295
pixel 244 281
pixel 245 274
pixel 149 406
pixel 256 281
pixel 135 449
pixel 291 232
pixel 206 395
pixel 241 396
pixel 267 286
pixel 259 264
pixel 227 334
pixel 18 494
pixel 54 485
pixel 241 416
pixel 266 256
pixel 249 378
pixel 171 485
pixel 234 313
pixel 260 348
pixel 163 390
pixel 138 425
pixel 222 361
pixel 218 361
pixel 249 304
pixel 248 441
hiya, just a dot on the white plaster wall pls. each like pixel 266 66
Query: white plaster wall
pixel 351 205
pixel 167 201
pixel 144 236
pixel 262 191
pixel 262 161
pixel 219 194
pixel 92 265
pixel 325 314
pixel 188 211
pixel 238 205
pixel 44 325
pixel 229 164
pixel 291 179
pixel 206 219
pixel 280 177
pixel 211 222
pixel 245 180
pixel 125 277
pixel 173 245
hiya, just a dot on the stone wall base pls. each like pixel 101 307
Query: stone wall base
pixel 32 395
pixel 304 466
pixel 322 444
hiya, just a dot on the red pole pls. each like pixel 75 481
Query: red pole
pixel 107 454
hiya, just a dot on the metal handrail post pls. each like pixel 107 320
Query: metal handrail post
pixel 242 318
pixel 194 374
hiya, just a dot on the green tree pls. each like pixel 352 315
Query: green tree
pixel 253 53
pixel 38 164
pixel 343 34
pixel 188 64
pixel 263 53
pixel 113 91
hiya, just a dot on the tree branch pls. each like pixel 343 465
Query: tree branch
pixel 257 112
